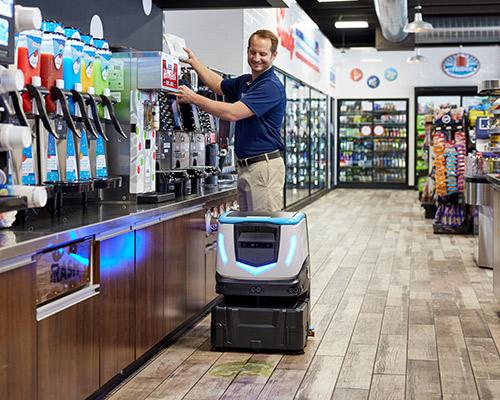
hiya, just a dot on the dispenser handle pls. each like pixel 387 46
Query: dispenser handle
pixel 40 105
pixel 109 105
pixel 58 94
pixel 18 108
pixel 77 96
pixel 97 122
pixel 4 100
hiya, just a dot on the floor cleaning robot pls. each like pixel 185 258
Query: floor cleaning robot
pixel 263 274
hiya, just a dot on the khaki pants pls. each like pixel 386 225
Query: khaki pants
pixel 260 185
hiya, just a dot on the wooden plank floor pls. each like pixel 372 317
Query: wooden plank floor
pixel 399 313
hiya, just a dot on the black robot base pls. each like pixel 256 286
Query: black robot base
pixel 258 325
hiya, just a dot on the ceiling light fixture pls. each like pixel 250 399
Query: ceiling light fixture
pixel 418 25
pixel 417 58
pixel 351 24
pixel 371 60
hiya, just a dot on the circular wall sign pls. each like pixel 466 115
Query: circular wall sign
pixel 373 82
pixel 460 65
pixel 356 74
pixel 391 74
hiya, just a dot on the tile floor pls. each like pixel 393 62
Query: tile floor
pixel 399 313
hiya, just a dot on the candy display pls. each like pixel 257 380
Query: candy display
pixel 449 151
pixel 450 215
pixel 427 103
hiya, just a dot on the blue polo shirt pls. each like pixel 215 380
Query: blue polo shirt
pixel 266 97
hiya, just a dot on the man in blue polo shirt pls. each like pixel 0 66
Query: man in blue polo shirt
pixel 257 103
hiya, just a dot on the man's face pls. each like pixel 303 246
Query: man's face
pixel 260 57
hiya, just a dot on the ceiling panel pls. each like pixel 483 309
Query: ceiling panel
pixel 325 15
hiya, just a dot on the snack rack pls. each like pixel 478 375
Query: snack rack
pixel 449 145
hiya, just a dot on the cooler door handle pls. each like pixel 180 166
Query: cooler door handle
pixel 109 105
pixel 65 302
pixel 77 96
pixel 58 94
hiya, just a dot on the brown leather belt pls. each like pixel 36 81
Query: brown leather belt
pixel 245 162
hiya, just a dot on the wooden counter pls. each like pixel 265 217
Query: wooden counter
pixel 151 279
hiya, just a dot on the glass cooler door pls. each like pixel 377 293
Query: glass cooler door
pixel 318 140
pixel 297 141
pixel 390 141
pixel 355 144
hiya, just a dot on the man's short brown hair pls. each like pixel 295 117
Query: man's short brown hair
pixel 265 34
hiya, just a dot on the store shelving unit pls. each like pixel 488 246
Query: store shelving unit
pixel 372 143
pixel 427 100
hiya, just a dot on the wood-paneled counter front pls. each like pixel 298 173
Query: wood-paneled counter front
pixel 150 276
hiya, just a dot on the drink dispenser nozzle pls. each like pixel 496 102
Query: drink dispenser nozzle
pixel 35 94
pixel 95 115
pixel 58 94
pixel 78 99
pixel 10 81
pixel 106 101
pixel 27 18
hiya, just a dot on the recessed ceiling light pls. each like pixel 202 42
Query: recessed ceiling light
pixel 371 60
pixel 351 24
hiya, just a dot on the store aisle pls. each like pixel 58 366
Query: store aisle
pixel 398 312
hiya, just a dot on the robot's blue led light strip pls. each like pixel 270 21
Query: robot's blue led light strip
pixel 226 218
pixel 255 270
pixel 222 248
pixel 291 250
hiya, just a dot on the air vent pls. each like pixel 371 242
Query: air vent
pixel 458 30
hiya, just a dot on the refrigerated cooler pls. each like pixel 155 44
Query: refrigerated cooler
pixel 372 143
pixel 319 140
pixel 306 141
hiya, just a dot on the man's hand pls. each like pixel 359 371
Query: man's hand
pixel 186 95
pixel 191 57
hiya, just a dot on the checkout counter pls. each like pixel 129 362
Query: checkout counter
pixel 494 179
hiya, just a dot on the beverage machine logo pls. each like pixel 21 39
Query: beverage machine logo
pixel 460 65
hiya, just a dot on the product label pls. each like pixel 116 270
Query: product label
pixel 105 65
pixel 71 171
pixel 84 157
pixel 76 54
pixel 88 59
pixel 101 169
pixel 58 52
pixel 34 43
pixel 4 32
pixel 6 8
pixel 52 164
pixel 28 167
